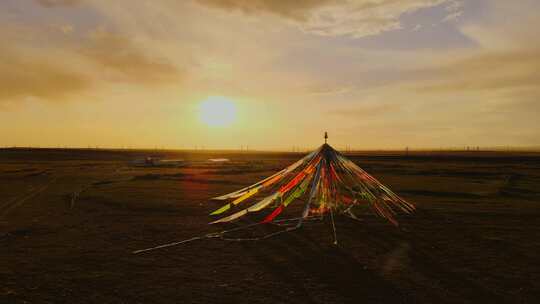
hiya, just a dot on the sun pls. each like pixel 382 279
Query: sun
pixel 217 111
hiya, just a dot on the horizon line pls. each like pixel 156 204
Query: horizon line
pixel 295 150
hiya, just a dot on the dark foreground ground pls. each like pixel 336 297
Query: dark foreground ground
pixel 70 219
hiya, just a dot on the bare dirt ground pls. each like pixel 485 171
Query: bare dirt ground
pixel 69 220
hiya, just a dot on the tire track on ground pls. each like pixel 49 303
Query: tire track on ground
pixel 18 201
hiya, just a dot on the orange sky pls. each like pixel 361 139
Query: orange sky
pixel 377 74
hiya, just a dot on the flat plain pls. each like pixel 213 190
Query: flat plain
pixel 70 219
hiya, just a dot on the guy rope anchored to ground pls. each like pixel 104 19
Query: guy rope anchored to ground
pixel 325 180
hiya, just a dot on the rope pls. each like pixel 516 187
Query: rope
pixel 169 244
pixel 333 226
pixel 221 234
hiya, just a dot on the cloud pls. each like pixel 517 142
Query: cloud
pixel 452 16
pixel 55 59
pixel 425 93
pixel 122 60
pixel 333 17
pixel 505 25
pixel 508 57
pixel 454 9
pixel 77 64
pixel 37 77
pixel 368 110
pixel 487 71
pixel 298 10
pixel 53 3
pixel 66 29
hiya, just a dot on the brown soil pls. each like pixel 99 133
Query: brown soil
pixel 69 220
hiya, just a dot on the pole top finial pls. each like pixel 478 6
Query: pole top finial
pixel 325 137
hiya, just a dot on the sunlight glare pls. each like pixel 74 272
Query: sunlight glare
pixel 217 111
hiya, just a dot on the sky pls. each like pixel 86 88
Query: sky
pixel 375 74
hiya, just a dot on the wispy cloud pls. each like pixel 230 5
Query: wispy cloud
pixel 54 74
pixel 53 3
pixel 25 76
pixel 474 79
pixel 120 59
pixel 333 17
pixel 298 10
pixel 370 111
pixel 487 71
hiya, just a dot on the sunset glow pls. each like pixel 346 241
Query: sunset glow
pixel 379 74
